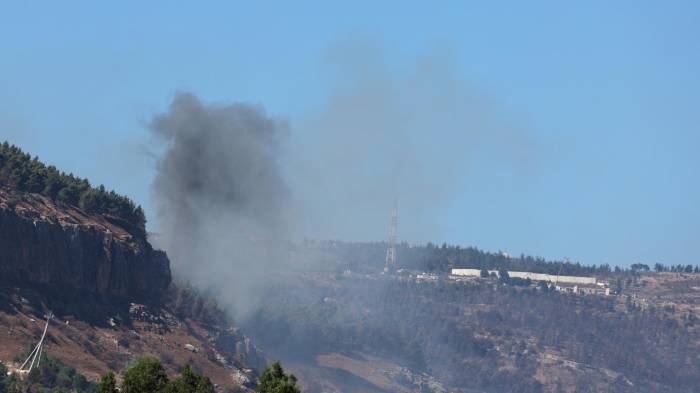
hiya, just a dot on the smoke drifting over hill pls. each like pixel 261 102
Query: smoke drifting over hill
pixel 234 183
pixel 418 135
pixel 219 194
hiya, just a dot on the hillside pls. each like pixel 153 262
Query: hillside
pixel 110 291
pixel 220 351
pixel 334 318
pixel 392 333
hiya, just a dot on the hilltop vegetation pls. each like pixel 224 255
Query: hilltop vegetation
pixel 145 375
pixel 81 252
pixel 489 337
pixel 19 170
pixel 441 259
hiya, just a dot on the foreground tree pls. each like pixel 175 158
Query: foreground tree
pixel 3 374
pixel 274 380
pixel 108 384
pixel 190 382
pixel 146 376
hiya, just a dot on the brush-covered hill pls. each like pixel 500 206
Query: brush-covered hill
pixel 351 326
pixel 82 253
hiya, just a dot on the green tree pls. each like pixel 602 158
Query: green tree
pixel 190 382
pixel 274 380
pixel 204 385
pixel 21 171
pixel 3 374
pixel 146 376
pixel 108 384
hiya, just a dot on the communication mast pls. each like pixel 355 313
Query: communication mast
pixel 390 262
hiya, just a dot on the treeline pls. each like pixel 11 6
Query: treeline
pixel 145 375
pixel 642 267
pixel 21 171
pixel 445 257
pixel 441 259
pixel 148 375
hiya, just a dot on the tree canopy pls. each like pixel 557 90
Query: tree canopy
pixel 190 382
pixel 275 380
pixel 108 384
pixel 21 171
pixel 147 375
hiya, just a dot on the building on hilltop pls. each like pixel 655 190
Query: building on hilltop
pixel 532 276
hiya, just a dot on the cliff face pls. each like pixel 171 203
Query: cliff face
pixel 42 243
pixel 111 296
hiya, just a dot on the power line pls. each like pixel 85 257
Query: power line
pixel 35 354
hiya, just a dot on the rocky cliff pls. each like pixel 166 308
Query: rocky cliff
pixel 111 296
pixel 61 247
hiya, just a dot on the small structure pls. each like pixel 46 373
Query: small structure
pixel 532 276
pixel 427 277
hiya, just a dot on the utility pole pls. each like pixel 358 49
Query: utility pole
pixel 390 262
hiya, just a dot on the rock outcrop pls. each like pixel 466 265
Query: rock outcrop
pixel 110 293
pixel 60 246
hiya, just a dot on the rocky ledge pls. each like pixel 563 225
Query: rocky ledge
pixel 60 246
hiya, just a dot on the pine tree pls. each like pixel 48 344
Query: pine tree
pixel 274 380
pixel 147 376
pixel 108 384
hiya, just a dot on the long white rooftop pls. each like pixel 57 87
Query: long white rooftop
pixel 531 276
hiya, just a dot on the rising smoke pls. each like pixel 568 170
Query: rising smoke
pixel 229 191
pixel 420 135
pixel 221 198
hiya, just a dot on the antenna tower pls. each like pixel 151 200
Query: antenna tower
pixel 390 263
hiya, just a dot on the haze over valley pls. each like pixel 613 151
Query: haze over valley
pixel 255 198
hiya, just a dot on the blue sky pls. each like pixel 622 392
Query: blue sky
pixel 606 91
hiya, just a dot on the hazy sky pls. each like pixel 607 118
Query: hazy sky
pixel 600 101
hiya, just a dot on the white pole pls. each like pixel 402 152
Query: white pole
pixel 29 357
pixel 39 359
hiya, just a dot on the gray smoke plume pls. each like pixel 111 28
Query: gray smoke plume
pixel 229 192
pixel 419 136
pixel 221 199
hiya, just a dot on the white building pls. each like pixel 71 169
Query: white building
pixel 426 277
pixel 531 276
